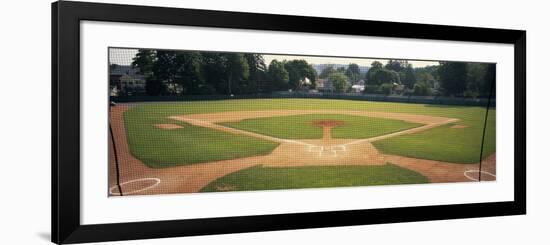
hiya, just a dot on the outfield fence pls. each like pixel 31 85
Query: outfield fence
pixel 436 100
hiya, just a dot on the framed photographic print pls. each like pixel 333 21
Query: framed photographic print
pixel 176 122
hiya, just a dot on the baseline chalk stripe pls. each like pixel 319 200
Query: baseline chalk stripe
pixel 467 172
pixel 156 180
pixel 338 148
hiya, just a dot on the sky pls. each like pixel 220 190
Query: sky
pixel 124 57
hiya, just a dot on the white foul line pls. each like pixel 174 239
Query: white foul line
pixel 157 182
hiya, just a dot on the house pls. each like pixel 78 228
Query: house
pixel 126 79
pixel 357 88
pixel 305 83
pixel 324 85
pixel 132 82
pixel 398 88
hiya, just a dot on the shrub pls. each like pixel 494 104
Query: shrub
pixel 471 94
pixel 371 89
pixel 386 88
pixel 421 88
pixel 154 87
pixel 339 81
pixel 206 89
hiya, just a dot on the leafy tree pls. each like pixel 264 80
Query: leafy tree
pixel 227 73
pixel 312 76
pixel 409 77
pixel 423 76
pixel 396 65
pixel 433 70
pixel 489 81
pixel 189 71
pixel 154 87
pixel 380 76
pixel 479 79
pixel 375 67
pixel 353 72
pixel 298 70
pixel 277 75
pixel 144 60
pixel 422 88
pixel 371 89
pixel 257 70
pixel 215 71
pixel 175 68
pixel 327 71
pixel 237 71
pixel 386 88
pixel 166 67
pixel 475 73
pixel 453 77
pixel 339 80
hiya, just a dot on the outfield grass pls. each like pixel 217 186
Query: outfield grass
pixel 301 126
pixel 273 178
pixel 442 143
pixel 461 146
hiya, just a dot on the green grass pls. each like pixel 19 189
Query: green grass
pixel 438 148
pixel 443 143
pixel 273 178
pixel 159 148
pixel 301 126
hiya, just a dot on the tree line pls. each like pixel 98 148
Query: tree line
pixel 196 73
pixel 460 79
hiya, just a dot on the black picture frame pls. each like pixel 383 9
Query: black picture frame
pixel 66 18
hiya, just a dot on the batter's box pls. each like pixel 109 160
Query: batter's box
pixel 316 149
pixel 332 150
pixel 337 148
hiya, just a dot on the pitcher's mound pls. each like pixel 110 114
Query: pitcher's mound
pixel 328 123
pixel 168 126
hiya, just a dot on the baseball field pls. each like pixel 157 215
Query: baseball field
pixel 267 144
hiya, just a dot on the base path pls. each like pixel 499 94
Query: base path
pixel 235 116
pixel 316 152
pixel 211 120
